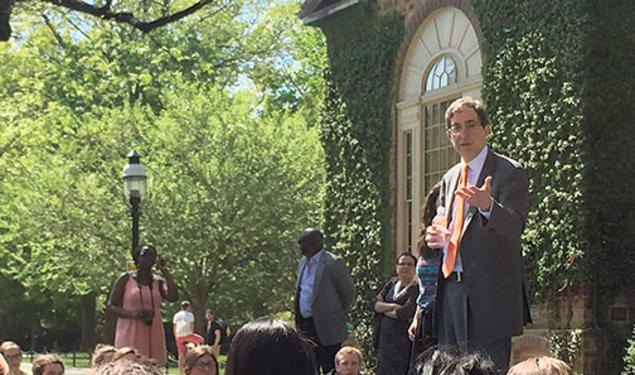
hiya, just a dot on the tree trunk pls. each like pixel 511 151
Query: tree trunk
pixel 87 306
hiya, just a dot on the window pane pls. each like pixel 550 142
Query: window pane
pixel 439 154
pixel 442 74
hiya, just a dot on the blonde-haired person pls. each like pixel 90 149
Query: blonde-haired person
pixel 4 366
pixel 47 364
pixel 126 353
pixel 540 366
pixel 102 354
pixel 12 354
pixel 198 361
pixel 348 361
pixel 124 367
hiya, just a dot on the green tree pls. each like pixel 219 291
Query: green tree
pixel 232 176
pixel 629 357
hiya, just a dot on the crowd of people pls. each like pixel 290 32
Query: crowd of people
pixel 451 309
pixel 267 346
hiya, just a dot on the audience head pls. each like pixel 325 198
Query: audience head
pixel 124 367
pixel 268 346
pixel 47 364
pixel 451 361
pixel 348 361
pixel 12 354
pixel 540 366
pixel 102 354
pixel 126 353
pixel 198 361
pixel 4 366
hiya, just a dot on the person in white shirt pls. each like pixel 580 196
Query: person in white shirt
pixel 183 326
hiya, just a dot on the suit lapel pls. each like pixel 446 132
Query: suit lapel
pixel 318 275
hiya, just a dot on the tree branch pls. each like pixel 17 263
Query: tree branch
pixel 105 12
pixel 57 36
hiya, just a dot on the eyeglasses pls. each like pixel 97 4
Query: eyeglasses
pixel 12 356
pixel 456 129
pixel 204 365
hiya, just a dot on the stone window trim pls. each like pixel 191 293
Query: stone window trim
pixel 413 22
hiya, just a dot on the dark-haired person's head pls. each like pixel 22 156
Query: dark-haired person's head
pixel 47 364
pixel 470 103
pixel 144 256
pixel 449 360
pixel 311 241
pixel 428 212
pixel 268 346
pixel 472 364
pixel 198 361
pixel 405 267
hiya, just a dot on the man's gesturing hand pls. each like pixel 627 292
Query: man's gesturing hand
pixel 477 196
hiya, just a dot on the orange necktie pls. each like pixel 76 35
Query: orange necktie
pixel 453 246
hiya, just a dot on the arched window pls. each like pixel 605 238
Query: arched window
pixel 439 155
pixel 443 62
pixel 442 74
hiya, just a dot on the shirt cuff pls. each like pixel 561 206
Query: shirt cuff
pixel 488 212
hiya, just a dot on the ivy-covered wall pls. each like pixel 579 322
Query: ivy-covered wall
pixel 356 133
pixel 559 82
pixel 533 55
pixel 559 78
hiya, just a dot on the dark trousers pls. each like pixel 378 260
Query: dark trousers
pixel 324 354
pixel 454 320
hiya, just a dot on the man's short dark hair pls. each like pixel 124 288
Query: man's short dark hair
pixel 469 102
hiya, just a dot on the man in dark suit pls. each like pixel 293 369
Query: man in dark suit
pixel 481 301
pixel 324 293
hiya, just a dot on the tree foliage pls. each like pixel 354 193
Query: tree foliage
pixel 629 357
pixel 356 137
pixel 215 104
pixel 159 14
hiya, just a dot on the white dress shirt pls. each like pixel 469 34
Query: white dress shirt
pixel 474 168
pixel 306 284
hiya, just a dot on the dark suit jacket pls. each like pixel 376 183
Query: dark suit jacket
pixel 333 294
pixel 490 249
pixel 210 332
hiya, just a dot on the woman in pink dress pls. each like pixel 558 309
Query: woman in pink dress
pixel 136 300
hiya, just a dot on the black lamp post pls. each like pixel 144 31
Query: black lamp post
pixel 134 189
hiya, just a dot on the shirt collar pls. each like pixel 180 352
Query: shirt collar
pixel 476 164
pixel 316 257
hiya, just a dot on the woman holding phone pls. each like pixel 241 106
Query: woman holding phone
pixel 136 300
